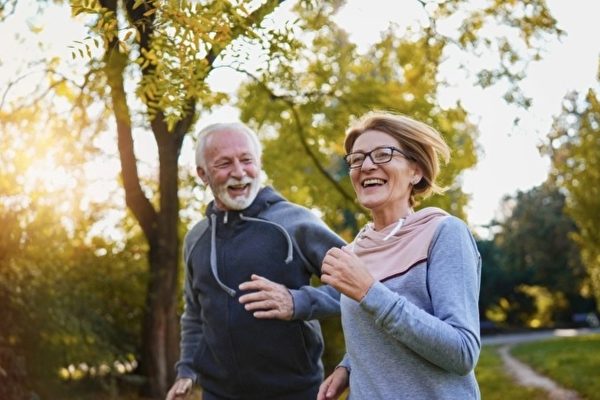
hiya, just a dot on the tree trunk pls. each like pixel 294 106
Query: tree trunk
pixel 160 339
pixel 160 336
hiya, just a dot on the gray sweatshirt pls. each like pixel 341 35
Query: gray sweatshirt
pixel 416 335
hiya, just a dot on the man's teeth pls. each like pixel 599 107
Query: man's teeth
pixel 372 181
pixel 238 186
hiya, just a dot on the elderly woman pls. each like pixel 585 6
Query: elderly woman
pixel 409 280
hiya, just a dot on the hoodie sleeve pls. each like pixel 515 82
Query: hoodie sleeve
pixel 313 239
pixel 191 324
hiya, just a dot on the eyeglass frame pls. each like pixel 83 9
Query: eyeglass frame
pixel 368 154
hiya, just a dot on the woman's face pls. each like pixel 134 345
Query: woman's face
pixel 385 185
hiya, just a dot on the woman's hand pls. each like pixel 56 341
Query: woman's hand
pixel 343 270
pixel 334 385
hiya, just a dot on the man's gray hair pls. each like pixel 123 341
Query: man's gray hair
pixel 219 127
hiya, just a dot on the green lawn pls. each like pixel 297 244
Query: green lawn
pixel 496 384
pixel 572 362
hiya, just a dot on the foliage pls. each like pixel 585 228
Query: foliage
pixel 532 272
pixel 574 147
pixel 572 362
pixel 69 296
pixel 303 108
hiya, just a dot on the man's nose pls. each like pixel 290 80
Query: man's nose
pixel 238 169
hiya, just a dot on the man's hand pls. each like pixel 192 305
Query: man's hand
pixel 181 389
pixel 269 301
pixel 334 385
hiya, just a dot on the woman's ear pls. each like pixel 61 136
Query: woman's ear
pixel 417 175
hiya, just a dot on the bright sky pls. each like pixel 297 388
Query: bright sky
pixel 509 160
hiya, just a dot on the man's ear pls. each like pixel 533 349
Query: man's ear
pixel 202 175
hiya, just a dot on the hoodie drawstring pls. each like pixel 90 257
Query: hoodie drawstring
pixel 213 247
pixel 213 256
pixel 281 229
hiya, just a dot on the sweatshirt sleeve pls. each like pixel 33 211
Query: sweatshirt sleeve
pixel 313 239
pixel 450 337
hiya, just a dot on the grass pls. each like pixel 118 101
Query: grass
pixel 496 384
pixel 572 362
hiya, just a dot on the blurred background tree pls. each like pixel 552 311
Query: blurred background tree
pixel 533 273
pixel 574 148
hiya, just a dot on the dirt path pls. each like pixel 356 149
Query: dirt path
pixel 526 376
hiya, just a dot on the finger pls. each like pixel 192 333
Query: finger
pixel 256 277
pixel 270 314
pixel 254 285
pixel 261 305
pixel 327 279
pixel 322 395
pixel 258 282
pixel 335 252
pixel 183 388
pixel 329 260
pixel 253 297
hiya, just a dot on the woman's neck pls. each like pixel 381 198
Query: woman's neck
pixel 388 216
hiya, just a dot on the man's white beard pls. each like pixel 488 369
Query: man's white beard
pixel 238 202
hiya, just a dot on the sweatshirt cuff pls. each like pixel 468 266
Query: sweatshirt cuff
pixel 378 299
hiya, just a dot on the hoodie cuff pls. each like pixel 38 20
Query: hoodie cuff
pixel 301 308
pixel 183 371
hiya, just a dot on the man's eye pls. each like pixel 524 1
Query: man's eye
pixel 248 160
pixel 222 165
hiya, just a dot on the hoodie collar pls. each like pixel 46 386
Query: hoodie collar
pixel 388 255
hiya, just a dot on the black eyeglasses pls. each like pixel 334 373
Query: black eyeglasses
pixel 379 155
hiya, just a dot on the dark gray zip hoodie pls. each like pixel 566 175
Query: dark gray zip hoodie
pixel 223 347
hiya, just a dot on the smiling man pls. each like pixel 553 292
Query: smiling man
pixel 249 329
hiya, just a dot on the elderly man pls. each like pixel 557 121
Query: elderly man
pixel 244 334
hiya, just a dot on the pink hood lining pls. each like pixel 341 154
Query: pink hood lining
pixel 406 248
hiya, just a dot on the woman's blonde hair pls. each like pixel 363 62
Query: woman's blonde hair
pixel 422 144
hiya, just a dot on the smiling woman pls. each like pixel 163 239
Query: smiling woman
pixel 409 280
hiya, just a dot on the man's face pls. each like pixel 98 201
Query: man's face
pixel 232 169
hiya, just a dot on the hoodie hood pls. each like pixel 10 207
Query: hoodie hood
pixel 391 251
pixel 264 199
